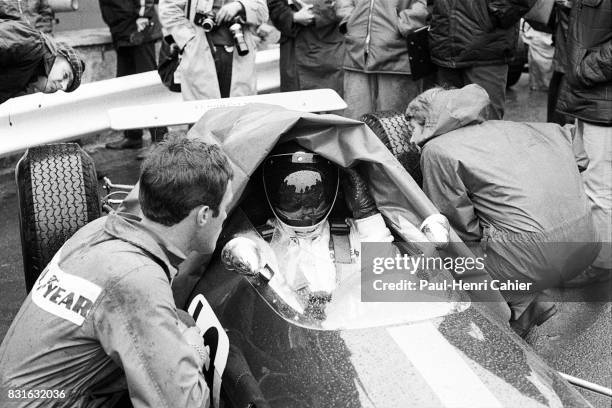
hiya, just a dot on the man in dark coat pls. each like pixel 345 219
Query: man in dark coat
pixel 135 27
pixel 561 12
pixel 311 46
pixel 30 61
pixel 37 13
pixel 473 41
pixel 587 96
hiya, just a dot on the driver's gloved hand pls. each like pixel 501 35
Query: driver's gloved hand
pixel 357 196
pixel 437 230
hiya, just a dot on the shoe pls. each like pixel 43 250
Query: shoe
pixel 589 276
pixel 125 143
pixel 536 314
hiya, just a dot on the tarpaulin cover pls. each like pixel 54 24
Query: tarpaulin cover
pixel 248 133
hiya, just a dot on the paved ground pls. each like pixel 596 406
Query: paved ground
pixel 577 341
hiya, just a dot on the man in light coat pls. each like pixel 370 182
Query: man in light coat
pixel 377 72
pixel 211 66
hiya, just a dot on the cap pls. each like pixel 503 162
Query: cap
pixel 75 61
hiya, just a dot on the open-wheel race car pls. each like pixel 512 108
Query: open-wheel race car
pixel 266 347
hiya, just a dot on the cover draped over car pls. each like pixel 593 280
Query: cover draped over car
pixel 248 133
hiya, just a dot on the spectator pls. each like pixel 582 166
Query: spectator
pixel 101 316
pixel 37 13
pixel 512 186
pixel 540 54
pixel 587 96
pixel 473 41
pixel 135 28
pixel 312 48
pixel 31 61
pixel 211 66
pixel 376 64
pixel 561 12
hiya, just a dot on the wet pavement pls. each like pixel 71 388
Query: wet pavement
pixel 577 340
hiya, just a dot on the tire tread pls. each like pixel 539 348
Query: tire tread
pixel 58 194
pixel 392 129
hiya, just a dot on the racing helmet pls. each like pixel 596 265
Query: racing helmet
pixel 301 186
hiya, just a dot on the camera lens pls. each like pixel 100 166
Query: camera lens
pixel 238 35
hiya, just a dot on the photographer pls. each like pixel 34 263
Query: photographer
pixel 214 36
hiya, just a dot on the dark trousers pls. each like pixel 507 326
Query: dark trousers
pixel 135 60
pixel 223 64
pixel 491 77
pixel 553 95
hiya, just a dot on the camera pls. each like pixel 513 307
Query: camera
pixel 238 36
pixel 206 20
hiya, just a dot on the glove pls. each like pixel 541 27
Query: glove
pixel 357 196
pixel 436 229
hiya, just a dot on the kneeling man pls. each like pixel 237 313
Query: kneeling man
pixel 102 314
pixel 513 187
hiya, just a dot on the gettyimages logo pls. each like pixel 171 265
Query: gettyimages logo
pixel 412 263
pixel 404 272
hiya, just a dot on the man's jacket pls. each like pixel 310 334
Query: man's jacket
pixel 376 33
pixel 587 92
pixel 310 57
pixel 37 13
pixel 25 54
pixel 507 182
pixel 99 315
pixel 197 70
pixel 475 32
pixel 121 16
pixel 561 17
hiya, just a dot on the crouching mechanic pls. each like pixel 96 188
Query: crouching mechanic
pixel 301 188
pixel 514 187
pixel 102 317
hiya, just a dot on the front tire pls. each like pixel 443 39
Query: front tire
pixel 58 194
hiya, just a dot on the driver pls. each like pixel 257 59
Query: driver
pixel 301 188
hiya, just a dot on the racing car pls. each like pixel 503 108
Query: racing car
pixel 267 351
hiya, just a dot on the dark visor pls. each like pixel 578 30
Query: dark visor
pixel 301 187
